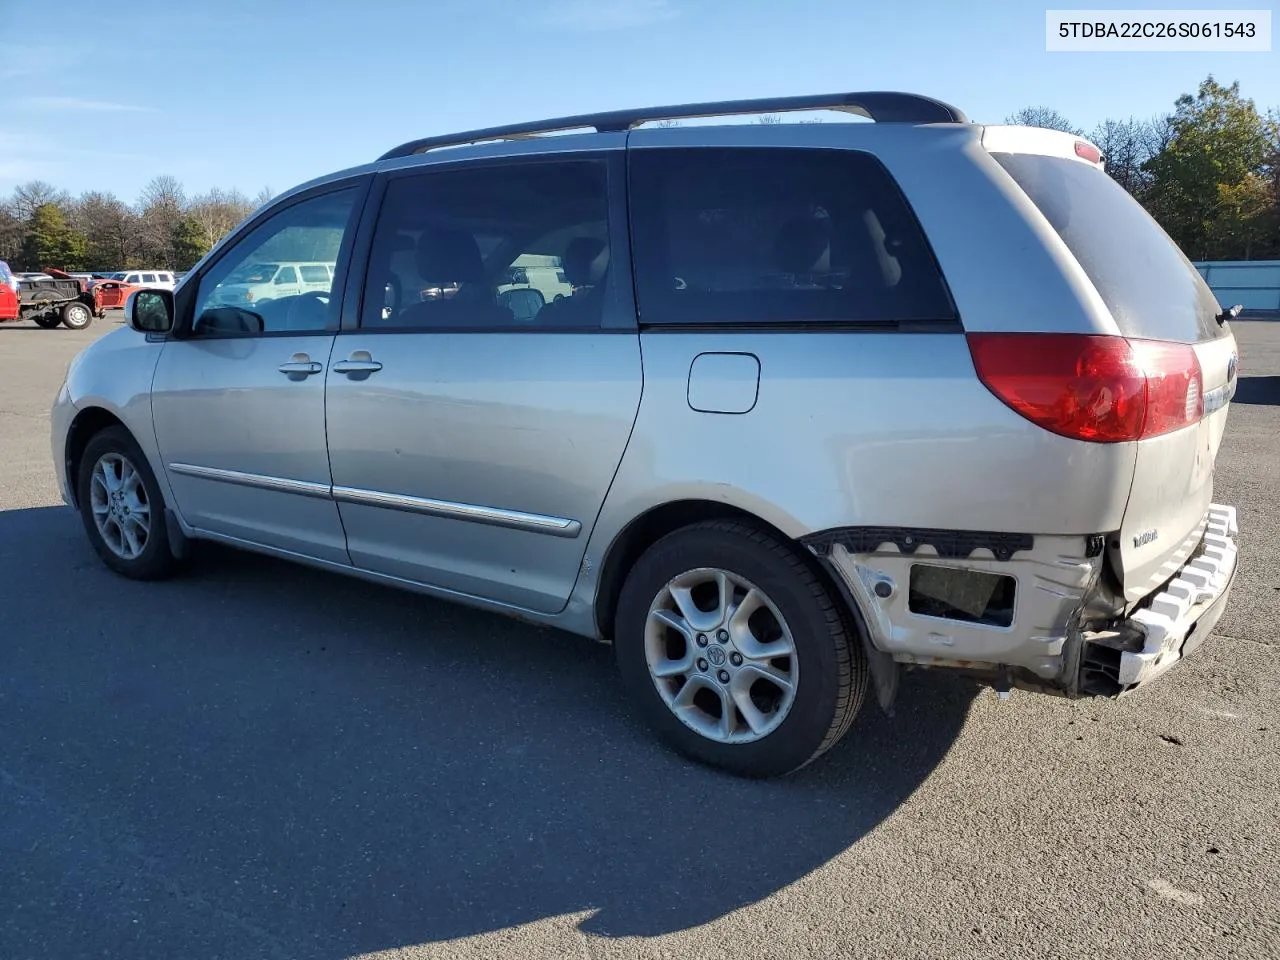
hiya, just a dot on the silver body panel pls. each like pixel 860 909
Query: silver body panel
pixel 244 444
pixel 500 469
pixel 516 438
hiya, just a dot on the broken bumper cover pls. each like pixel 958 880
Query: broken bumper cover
pixel 1176 619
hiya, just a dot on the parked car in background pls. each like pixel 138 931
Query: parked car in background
pixel 113 293
pixel 32 275
pixel 55 300
pixel 8 293
pixel 158 279
pixel 827 402
pixel 258 283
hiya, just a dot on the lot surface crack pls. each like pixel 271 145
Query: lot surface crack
pixel 1261 643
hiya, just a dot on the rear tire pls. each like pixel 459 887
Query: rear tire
pixel 122 508
pixel 76 315
pixel 759 684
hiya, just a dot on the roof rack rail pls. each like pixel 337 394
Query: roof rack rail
pixel 881 106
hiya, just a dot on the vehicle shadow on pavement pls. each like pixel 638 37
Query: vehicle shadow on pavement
pixel 257 759
pixel 1264 391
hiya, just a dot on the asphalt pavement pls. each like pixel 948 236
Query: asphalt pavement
pixel 260 760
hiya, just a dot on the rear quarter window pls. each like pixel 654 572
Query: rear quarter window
pixel 777 235
pixel 1144 278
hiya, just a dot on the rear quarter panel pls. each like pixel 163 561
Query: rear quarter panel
pixel 858 428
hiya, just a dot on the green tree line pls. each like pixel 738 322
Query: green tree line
pixel 42 226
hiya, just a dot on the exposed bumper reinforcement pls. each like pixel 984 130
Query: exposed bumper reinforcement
pixel 1176 619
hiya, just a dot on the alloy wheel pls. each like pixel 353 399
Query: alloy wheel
pixel 721 655
pixel 121 508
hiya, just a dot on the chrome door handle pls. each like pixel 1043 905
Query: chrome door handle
pixel 300 365
pixel 360 361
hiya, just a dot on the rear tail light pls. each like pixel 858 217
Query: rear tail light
pixel 1099 388
pixel 1087 151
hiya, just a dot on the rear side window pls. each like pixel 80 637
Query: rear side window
pixel 287 275
pixel 777 236
pixel 1146 281
pixel 446 242
pixel 314 274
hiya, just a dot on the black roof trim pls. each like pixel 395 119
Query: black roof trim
pixel 880 106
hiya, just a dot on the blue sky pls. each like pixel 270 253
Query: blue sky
pixel 254 93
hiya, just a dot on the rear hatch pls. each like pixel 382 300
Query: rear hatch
pixel 1162 305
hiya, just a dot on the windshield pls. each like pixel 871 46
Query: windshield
pixel 1146 281
pixel 254 273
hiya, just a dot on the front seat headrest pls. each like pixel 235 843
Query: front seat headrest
pixel 446 255
pixel 585 261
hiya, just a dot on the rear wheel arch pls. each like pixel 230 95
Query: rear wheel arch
pixel 655 523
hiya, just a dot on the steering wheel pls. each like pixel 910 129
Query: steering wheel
pixel 293 304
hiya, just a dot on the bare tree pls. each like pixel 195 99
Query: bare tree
pixel 162 191
pixel 12 231
pixel 1045 117
pixel 1160 131
pixel 27 196
pixel 667 122
pixel 769 118
pixel 109 226
pixel 161 207
pixel 1126 147
pixel 217 212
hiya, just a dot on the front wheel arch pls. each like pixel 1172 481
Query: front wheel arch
pixel 87 423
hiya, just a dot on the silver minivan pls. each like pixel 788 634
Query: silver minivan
pixel 825 402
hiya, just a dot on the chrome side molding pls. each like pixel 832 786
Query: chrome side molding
pixel 448 509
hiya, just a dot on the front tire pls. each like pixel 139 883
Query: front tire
pixel 76 315
pixel 122 508
pixel 735 651
pixel 47 321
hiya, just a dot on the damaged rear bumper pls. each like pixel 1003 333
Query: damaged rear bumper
pixel 1024 611
pixel 1170 623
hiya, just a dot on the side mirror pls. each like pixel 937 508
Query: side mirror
pixel 149 311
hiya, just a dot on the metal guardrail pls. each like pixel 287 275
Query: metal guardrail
pixel 1254 284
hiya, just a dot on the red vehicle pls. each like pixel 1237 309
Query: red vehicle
pixel 113 293
pixel 62 300
pixel 8 294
